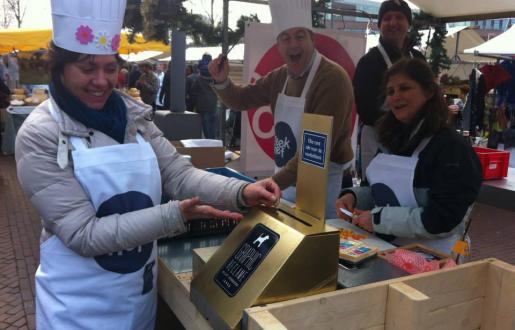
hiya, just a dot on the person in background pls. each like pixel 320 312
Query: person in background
pixel 123 77
pixel 307 82
pixel 426 178
pixel 394 20
pixel 148 84
pixel 134 75
pixel 165 92
pixel 203 100
pixel 13 71
pixel 2 70
pixel 5 95
pixel 161 68
pixel 94 168
pixel 191 76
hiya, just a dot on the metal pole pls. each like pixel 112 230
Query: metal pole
pixel 178 79
pixel 225 50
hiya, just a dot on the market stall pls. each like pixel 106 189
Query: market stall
pixel 15 115
pixel 28 40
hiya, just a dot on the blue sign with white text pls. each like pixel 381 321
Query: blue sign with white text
pixel 314 148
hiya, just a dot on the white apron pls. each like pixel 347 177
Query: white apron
pixel 391 180
pixel 112 291
pixel 368 143
pixel 288 119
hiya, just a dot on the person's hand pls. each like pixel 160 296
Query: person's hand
pixel 193 209
pixel 264 191
pixel 219 68
pixel 347 202
pixel 363 220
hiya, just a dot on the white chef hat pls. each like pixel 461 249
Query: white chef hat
pixel 88 26
pixel 287 14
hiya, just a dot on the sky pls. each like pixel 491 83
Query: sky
pixel 38 13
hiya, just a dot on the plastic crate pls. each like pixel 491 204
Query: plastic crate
pixel 494 162
pixel 206 227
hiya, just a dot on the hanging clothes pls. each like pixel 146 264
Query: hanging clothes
pixel 506 90
pixel 494 75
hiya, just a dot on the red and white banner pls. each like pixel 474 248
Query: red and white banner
pixel 261 57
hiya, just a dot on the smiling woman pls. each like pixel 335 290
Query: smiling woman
pixel 95 167
pixel 85 75
pixel 422 183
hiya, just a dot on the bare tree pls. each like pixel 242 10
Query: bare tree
pixel 17 9
pixel 7 17
pixel 209 13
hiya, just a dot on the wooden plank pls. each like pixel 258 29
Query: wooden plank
pixel 174 289
pixel 264 320
pixel 201 256
pixel 452 286
pixel 356 308
pixel 405 307
pixel 464 316
pixel 499 307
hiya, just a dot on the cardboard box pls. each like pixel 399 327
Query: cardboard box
pixel 202 157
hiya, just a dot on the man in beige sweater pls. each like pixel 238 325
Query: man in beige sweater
pixel 307 82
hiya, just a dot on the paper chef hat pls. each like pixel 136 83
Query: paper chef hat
pixel 287 14
pixel 88 26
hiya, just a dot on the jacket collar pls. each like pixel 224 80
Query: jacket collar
pixel 136 111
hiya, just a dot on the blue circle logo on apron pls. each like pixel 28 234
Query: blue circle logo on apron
pixel 384 195
pixel 285 145
pixel 126 261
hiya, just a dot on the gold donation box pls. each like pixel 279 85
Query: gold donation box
pixel 274 254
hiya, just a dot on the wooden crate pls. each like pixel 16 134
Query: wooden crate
pixel 477 295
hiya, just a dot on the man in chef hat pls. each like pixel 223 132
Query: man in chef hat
pixel 307 82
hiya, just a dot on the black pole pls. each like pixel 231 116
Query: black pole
pixel 178 73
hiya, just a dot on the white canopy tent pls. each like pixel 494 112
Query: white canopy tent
pixel 195 53
pixel 141 56
pixel 460 37
pixel 467 10
pixel 502 46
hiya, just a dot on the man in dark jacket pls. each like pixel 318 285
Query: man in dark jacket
pixel 394 20
pixel 202 99
pixel 148 84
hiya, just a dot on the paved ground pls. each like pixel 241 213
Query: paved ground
pixel 492 233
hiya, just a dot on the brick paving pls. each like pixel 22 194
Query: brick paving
pixel 492 232
pixel 19 251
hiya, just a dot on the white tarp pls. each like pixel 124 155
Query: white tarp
pixel 502 45
pixel 195 53
pixel 452 10
pixel 141 56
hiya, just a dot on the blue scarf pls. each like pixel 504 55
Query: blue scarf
pixel 110 120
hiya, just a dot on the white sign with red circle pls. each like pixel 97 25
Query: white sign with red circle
pixel 261 57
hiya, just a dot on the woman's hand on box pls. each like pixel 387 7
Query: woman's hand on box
pixel 193 208
pixel 265 192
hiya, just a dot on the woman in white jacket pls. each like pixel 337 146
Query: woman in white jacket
pixel 94 167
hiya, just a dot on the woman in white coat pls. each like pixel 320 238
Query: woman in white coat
pixel 95 167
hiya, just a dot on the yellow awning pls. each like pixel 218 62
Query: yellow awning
pixel 31 40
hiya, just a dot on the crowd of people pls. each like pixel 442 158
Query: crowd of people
pixel 152 79
pixel 95 167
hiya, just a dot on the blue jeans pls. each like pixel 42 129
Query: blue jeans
pixel 209 124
